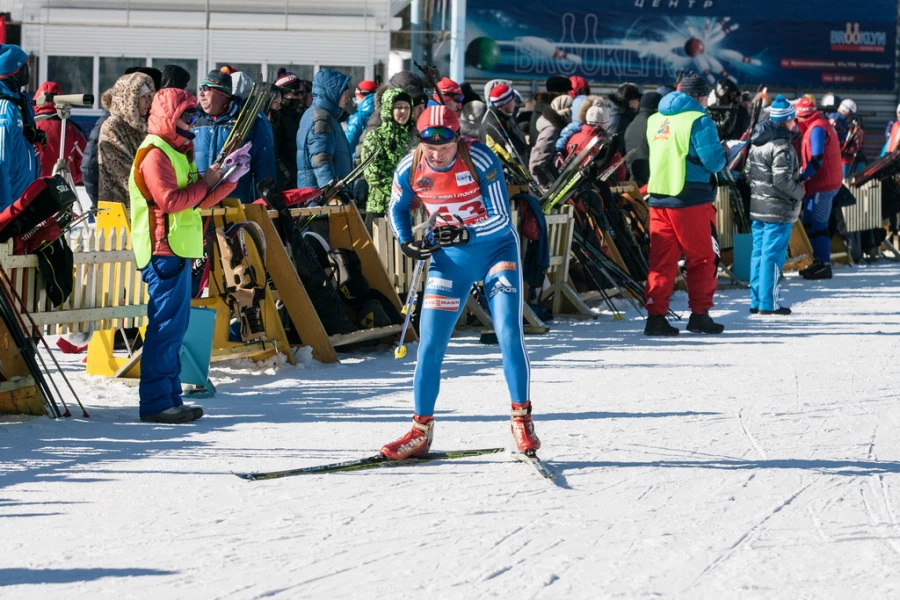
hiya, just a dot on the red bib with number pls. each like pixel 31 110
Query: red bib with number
pixel 454 191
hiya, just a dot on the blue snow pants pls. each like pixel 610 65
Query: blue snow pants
pixel 453 271
pixel 770 244
pixel 816 212
pixel 168 280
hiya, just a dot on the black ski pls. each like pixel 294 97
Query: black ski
pixel 369 462
pixel 540 466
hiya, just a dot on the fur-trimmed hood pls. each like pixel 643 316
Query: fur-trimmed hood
pixel 122 99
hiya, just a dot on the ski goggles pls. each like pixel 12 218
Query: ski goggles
pixel 190 117
pixel 437 136
pixel 457 97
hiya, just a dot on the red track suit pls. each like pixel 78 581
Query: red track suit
pixel 683 223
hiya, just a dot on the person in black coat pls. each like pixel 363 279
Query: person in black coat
pixel 623 106
pixel 295 99
pixel 636 138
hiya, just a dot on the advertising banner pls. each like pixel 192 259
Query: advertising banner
pixel 799 43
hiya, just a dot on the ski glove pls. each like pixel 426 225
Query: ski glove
pixel 418 250
pixel 451 235
pixel 240 161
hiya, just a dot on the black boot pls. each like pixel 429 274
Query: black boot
pixel 781 310
pixel 658 325
pixel 703 324
pixel 817 270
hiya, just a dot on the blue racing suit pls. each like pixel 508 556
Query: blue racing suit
pixel 491 255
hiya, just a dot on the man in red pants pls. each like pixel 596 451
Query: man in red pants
pixel 685 152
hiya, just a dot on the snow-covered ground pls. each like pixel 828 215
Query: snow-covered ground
pixel 764 462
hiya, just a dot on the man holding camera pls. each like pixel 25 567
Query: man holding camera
pixel 19 138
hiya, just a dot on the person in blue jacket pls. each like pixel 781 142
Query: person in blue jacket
pixel 365 107
pixel 323 152
pixel 220 110
pixel 19 163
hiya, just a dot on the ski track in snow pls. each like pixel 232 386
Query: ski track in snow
pixel 762 463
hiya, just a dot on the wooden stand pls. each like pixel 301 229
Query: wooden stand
pixel 19 396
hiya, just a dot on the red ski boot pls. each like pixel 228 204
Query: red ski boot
pixel 416 442
pixel 523 428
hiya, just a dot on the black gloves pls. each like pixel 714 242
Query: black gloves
pixel 451 235
pixel 418 250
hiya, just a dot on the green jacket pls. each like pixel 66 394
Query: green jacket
pixel 393 139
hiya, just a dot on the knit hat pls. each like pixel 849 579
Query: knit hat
pixel 448 87
pixel 365 87
pixel 558 84
pixel 12 58
pixel 597 115
pixel 174 76
pixel 650 101
pixel 805 108
pixel 437 116
pixel 218 81
pixel 287 80
pixel 403 96
pixel 580 86
pixel 781 110
pixel 694 85
pixel 563 106
pixel 502 95
pixel 849 105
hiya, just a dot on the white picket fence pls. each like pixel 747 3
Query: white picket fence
pixel 107 292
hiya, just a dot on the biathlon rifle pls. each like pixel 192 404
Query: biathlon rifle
pixel 432 75
pixel 740 161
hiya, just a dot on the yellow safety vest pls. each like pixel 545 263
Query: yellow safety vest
pixel 184 231
pixel 669 137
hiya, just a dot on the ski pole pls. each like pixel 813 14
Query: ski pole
pixel 409 307
pixel 8 285
pixel 27 351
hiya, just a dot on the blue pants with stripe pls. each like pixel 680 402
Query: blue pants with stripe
pixel 770 244
pixel 453 271
pixel 816 212
pixel 168 280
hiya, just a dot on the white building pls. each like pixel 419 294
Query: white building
pixel 85 45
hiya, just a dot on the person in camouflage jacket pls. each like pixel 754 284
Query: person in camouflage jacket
pixel 392 137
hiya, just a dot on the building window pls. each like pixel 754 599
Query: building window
pixel 251 70
pixel 356 74
pixel 302 71
pixel 188 64
pixel 113 67
pixel 74 74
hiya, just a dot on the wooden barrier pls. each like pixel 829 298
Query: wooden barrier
pixel 560 229
pixel 866 213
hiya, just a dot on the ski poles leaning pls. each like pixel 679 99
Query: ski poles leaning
pixel 29 350
pixel 409 307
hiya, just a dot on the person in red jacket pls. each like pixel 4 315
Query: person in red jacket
pixel 51 125
pixel 822 174
pixel 595 121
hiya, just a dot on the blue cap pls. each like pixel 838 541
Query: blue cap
pixel 781 110
pixel 12 58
